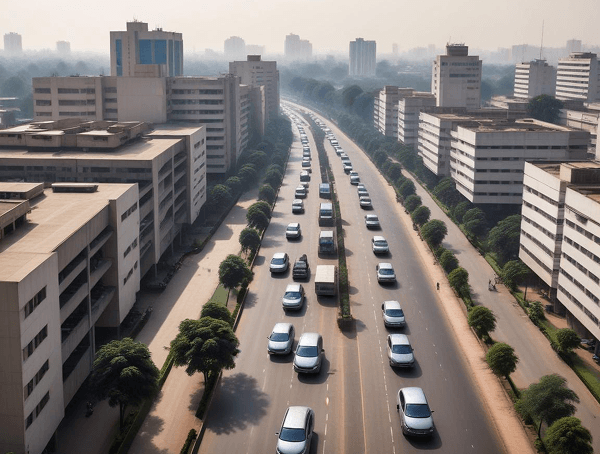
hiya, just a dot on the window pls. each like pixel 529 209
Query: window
pixel 34 302
pixel 43 102
pixel 64 91
pixel 35 343
pixel 43 90
pixel 29 387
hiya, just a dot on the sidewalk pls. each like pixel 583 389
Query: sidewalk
pixel 173 413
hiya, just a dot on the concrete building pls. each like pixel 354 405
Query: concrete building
pixel 363 58
pixel 13 44
pixel 256 73
pixel 578 77
pixel 585 117
pixel 409 110
pixel 63 47
pixel 234 48
pixel 296 48
pixel 69 265
pixel 139 52
pixel 168 164
pixel 534 78
pixel 573 45
pixel 385 109
pixel 560 237
pixel 255 49
pixel 456 78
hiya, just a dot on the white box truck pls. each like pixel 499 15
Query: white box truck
pixel 326 280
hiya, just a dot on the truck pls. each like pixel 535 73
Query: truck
pixel 326 280
pixel 326 214
pixel 301 268
pixel 327 242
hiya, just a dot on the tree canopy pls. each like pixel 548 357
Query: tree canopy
pixel 459 280
pixel 482 320
pixel 502 359
pixel 448 261
pixel 266 193
pixel 233 271
pixel 421 215
pixel 474 221
pixel 545 108
pixel 503 239
pixel 567 436
pixel 216 310
pixel 249 239
pixel 567 340
pixel 407 189
pixel 434 232
pixel 262 206
pixel 220 196
pixel 412 202
pixel 513 273
pixel 257 219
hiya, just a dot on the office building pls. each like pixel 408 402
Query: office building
pixel 534 79
pixel 578 77
pixel 585 117
pixel 363 58
pixel 234 48
pixel 385 109
pixel 254 49
pixel 456 78
pixel 296 48
pixel 573 45
pixel 560 237
pixel 139 52
pixel 256 73
pixel 63 47
pixel 12 43
pixel 409 110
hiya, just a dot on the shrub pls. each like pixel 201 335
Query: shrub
pixel 421 215
pixel 412 202
pixel 266 193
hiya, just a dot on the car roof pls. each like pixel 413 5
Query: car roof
pixel 414 395
pixel 293 225
pixel 379 238
pixel 399 339
pixel 364 197
pixel 391 305
pixel 309 339
pixel 371 217
pixel 297 201
pixel 295 417
pixel 279 255
pixel 282 327
pixel 293 288
pixel 385 265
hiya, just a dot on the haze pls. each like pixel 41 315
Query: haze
pixel 328 24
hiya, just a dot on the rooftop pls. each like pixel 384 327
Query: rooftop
pixel 582 176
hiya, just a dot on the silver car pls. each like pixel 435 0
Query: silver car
pixel 309 353
pixel 293 298
pixel 279 263
pixel 379 245
pixel 400 352
pixel 393 315
pixel 415 414
pixel 296 431
pixel 365 202
pixel 385 273
pixel 372 221
pixel 281 340
pixel 293 230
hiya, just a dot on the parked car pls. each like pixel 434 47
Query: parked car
pixel 300 192
pixel 293 230
pixel 296 431
pixel 301 268
pixel 281 340
pixel 309 353
pixel 280 262
pixel 362 192
pixel 293 298
pixel 372 221
pixel 415 415
pixel 347 167
pixel 393 315
pixel 385 273
pixel 297 206
pixel 365 202
pixel 379 245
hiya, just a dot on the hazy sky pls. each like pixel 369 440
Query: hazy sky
pixel 328 24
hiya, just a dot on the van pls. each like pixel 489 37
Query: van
pixel 326 280
pixel 326 213
pixel 327 242
pixel 325 191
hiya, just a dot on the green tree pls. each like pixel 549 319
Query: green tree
pixel 407 189
pixel 513 273
pixel 547 401
pixel 248 175
pixel 459 280
pixel 448 261
pixel 567 436
pixel 124 373
pixel 207 345
pixel 434 232
pixel 257 219
pixel 567 340
pixel 447 193
pixel 545 108
pixel 266 193
pixel 482 320
pixel 216 310
pixel 261 206
pixel 503 239
pixel 219 196
pixel 233 271
pixel 460 209
pixel 536 312
pixel 234 184
pixel 273 177
pixel 412 202
pixel 502 359
pixel 379 157
pixel 249 239
pixel 349 94
pixel 394 171
pixel 474 221
pixel 421 215
pixel 259 159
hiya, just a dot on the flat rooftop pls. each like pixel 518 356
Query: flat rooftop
pixel 590 190
pixel 174 129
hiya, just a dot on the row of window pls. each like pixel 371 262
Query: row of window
pixel 581 268
pixel 29 387
pixel 579 285
pixel 38 409
pixel 130 248
pixel 197 101
pixel 197 92
pixel 542 212
pixel 73 114
pixel 575 301
pixel 535 258
pixel 128 212
pixel 538 227
pixel 135 265
pixel 34 302
pixel 35 342
pixel 538 243
pixel 583 231
pixel 582 249
pixel 197 112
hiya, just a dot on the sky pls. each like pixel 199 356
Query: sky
pixel 328 24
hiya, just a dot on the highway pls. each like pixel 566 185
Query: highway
pixel 354 396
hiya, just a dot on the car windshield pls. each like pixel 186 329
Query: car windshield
pixel 293 228
pixel 395 312
pixel 279 337
pixel 372 218
pixel 291 295
pixel 401 349
pixel 300 265
pixel 380 243
pixel 292 434
pixel 277 261
pixel 308 351
pixel 386 271
pixel 417 411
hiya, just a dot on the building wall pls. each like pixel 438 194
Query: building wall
pixel 434 143
pixel 409 109
pixel 578 78
pixel 363 57
pixel 456 79
pixel 141 99
pixel 55 98
pixel 534 79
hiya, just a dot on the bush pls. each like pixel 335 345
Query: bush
pixel 482 320
pixel 192 434
pixel 407 189
pixel 448 261
pixel 459 280
pixel 567 340
pixel 273 178
pixel 434 232
pixel 412 202
pixel 266 193
pixel 421 215
pixel 234 184
pixel 536 312
pixel 502 359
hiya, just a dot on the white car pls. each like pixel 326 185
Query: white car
pixel 365 202
pixel 379 245
pixel 415 414
pixel 372 221
pixel 279 263
pixel 400 352
pixel 281 340
pixel 293 230
pixel 300 192
pixel 393 315
pixel 385 273
pixel 297 206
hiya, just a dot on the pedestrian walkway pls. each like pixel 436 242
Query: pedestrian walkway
pixel 173 413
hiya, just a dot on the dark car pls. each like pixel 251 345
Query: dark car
pixel 301 268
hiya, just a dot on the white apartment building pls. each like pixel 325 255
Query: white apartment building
pixel 385 109
pixel 534 78
pixel 69 265
pixel 456 78
pixel 234 48
pixel 296 48
pixel 139 52
pixel 409 110
pixel 363 57
pixel 13 43
pixel 256 73
pixel 578 77
pixel 560 237
pixel 587 118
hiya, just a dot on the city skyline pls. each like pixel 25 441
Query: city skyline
pixel 409 25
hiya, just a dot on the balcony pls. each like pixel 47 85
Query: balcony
pixel 100 240
pixel 76 369
pixel 71 271
pixel 73 330
pixel 101 297
pixel 97 269
pixel 73 301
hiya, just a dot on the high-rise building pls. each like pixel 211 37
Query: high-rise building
pixel 235 48
pixel 143 53
pixel 255 49
pixel 456 78
pixel 573 45
pixel 296 48
pixel 363 57
pixel 578 77
pixel 409 110
pixel 63 47
pixel 256 72
pixel 13 43
pixel 534 79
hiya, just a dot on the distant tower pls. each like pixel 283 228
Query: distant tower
pixel 573 45
pixel 235 48
pixel 363 57
pixel 578 77
pixel 12 43
pixel 456 78
pixel 296 48
pixel 63 47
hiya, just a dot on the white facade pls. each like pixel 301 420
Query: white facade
pixel 434 142
pixel 578 77
pixel 586 118
pixel 63 47
pixel 534 78
pixel 13 43
pixel 363 57
pixel 456 78
pixel 296 48
pixel 409 110
pixel 234 48
pixel 385 109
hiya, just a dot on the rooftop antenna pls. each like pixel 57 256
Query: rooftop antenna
pixel 542 43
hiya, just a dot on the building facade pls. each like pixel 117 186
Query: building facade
pixel 234 48
pixel 363 58
pixel 534 78
pixel 385 109
pixel 296 48
pixel 578 77
pixel 63 47
pixel 13 43
pixel 456 78
pixel 409 110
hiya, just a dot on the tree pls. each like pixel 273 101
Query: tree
pixel 394 171
pixel 474 221
pixel 448 261
pixel 349 94
pixel 249 239
pixel 259 159
pixel 379 157
pixel 502 359
pixel 503 239
pixel 216 310
pixel 459 210
pixel 434 232
pixel 482 320
pixel 567 340
pixel 261 206
pixel 513 273
pixel 248 175
pixel 545 108
pixel 124 373
pixel 547 401
pixel 421 215
pixel 266 193
pixel 446 192
pixel 257 219
pixel 273 178
pixel 567 436
pixel 234 184
pixel 207 345
pixel 220 196
pixel 233 271
pixel 412 202
pixel 407 188
pixel 536 312
pixel 459 280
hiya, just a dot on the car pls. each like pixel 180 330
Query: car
pixel 372 221
pixel 306 156
pixel 362 192
pixel 293 298
pixel 309 353
pixel 297 206
pixel 347 167
pixel 354 179
pixel 400 352
pixel 353 174
pixel 306 164
pixel 300 192
pixel 385 273
pixel 415 415
pixel 295 435
pixel 393 315
pixel 301 268
pixel 281 340
pixel 293 230
pixel 361 186
pixel 339 150
pixel 379 245
pixel 279 263
pixel 365 202
pixel 304 176
pixel 305 184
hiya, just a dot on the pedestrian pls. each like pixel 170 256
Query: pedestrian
pixel 438 285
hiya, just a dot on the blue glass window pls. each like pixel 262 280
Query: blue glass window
pixel 160 52
pixel 171 58
pixel 145 46
pixel 177 65
pixel 119 54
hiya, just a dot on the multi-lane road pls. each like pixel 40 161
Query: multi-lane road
pixel 354 396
